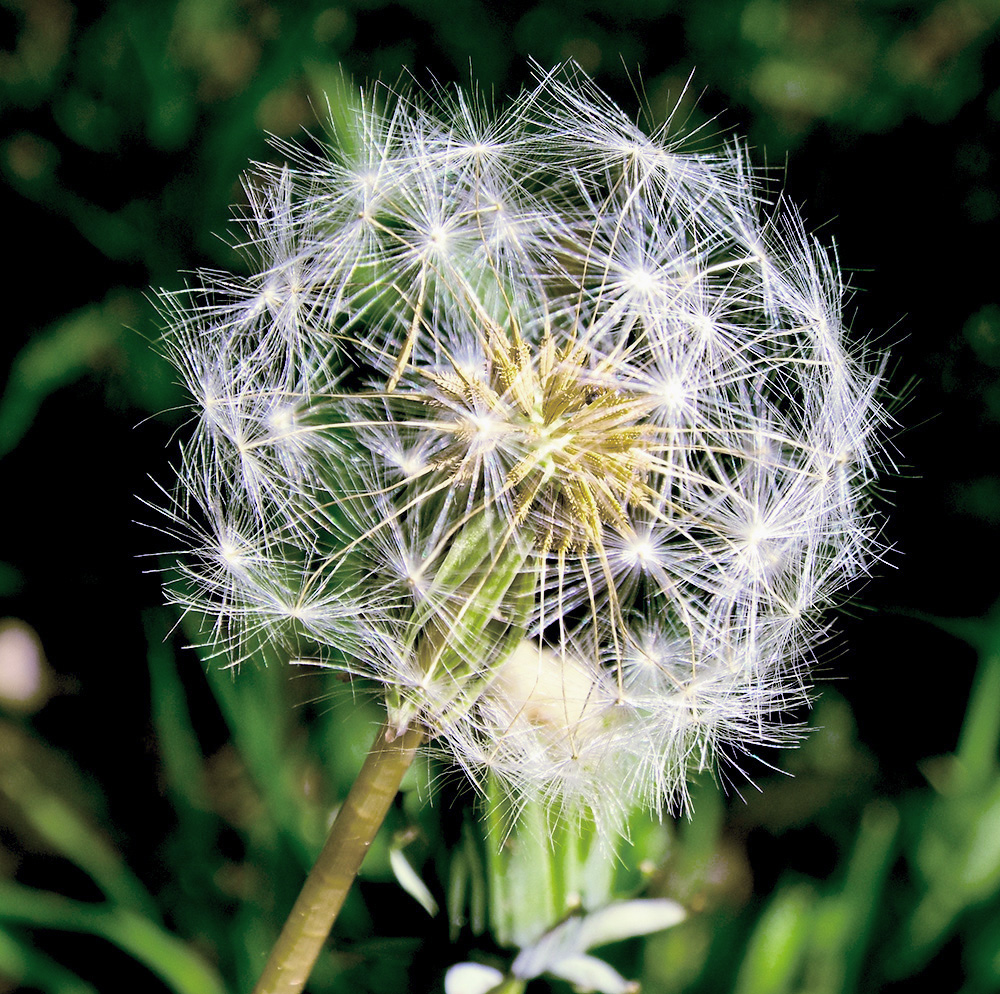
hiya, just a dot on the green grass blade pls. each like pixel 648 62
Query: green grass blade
pixel 175 963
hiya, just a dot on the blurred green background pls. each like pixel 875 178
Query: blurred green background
pixel 155 819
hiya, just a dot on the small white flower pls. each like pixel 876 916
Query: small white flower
pixel 562 951
pixel 550 428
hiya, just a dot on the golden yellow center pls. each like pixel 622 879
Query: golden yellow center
pixel 576 451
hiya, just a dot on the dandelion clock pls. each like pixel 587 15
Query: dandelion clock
pixel 546 429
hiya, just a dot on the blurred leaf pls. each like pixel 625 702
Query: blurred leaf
pixel 42 788
pixel 30 70
pixel 978 750
pixel 182 759
pixel 21 963
pixel 55 357
pixel 466 893
pixel 843 927
pixel 778 944
pixel 255 704
pixel 958 857
pixel 982 954
pixel 957 848
pixel 175 963
pixel 169 106
pixel 203 880
pixel 866 66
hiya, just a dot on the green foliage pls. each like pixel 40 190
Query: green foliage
pixel 276 782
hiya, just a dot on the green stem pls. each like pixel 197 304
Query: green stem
pixel 330 879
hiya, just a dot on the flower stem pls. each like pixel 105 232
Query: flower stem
pixel 306 930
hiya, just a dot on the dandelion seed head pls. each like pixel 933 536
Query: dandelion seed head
pixel 549 427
